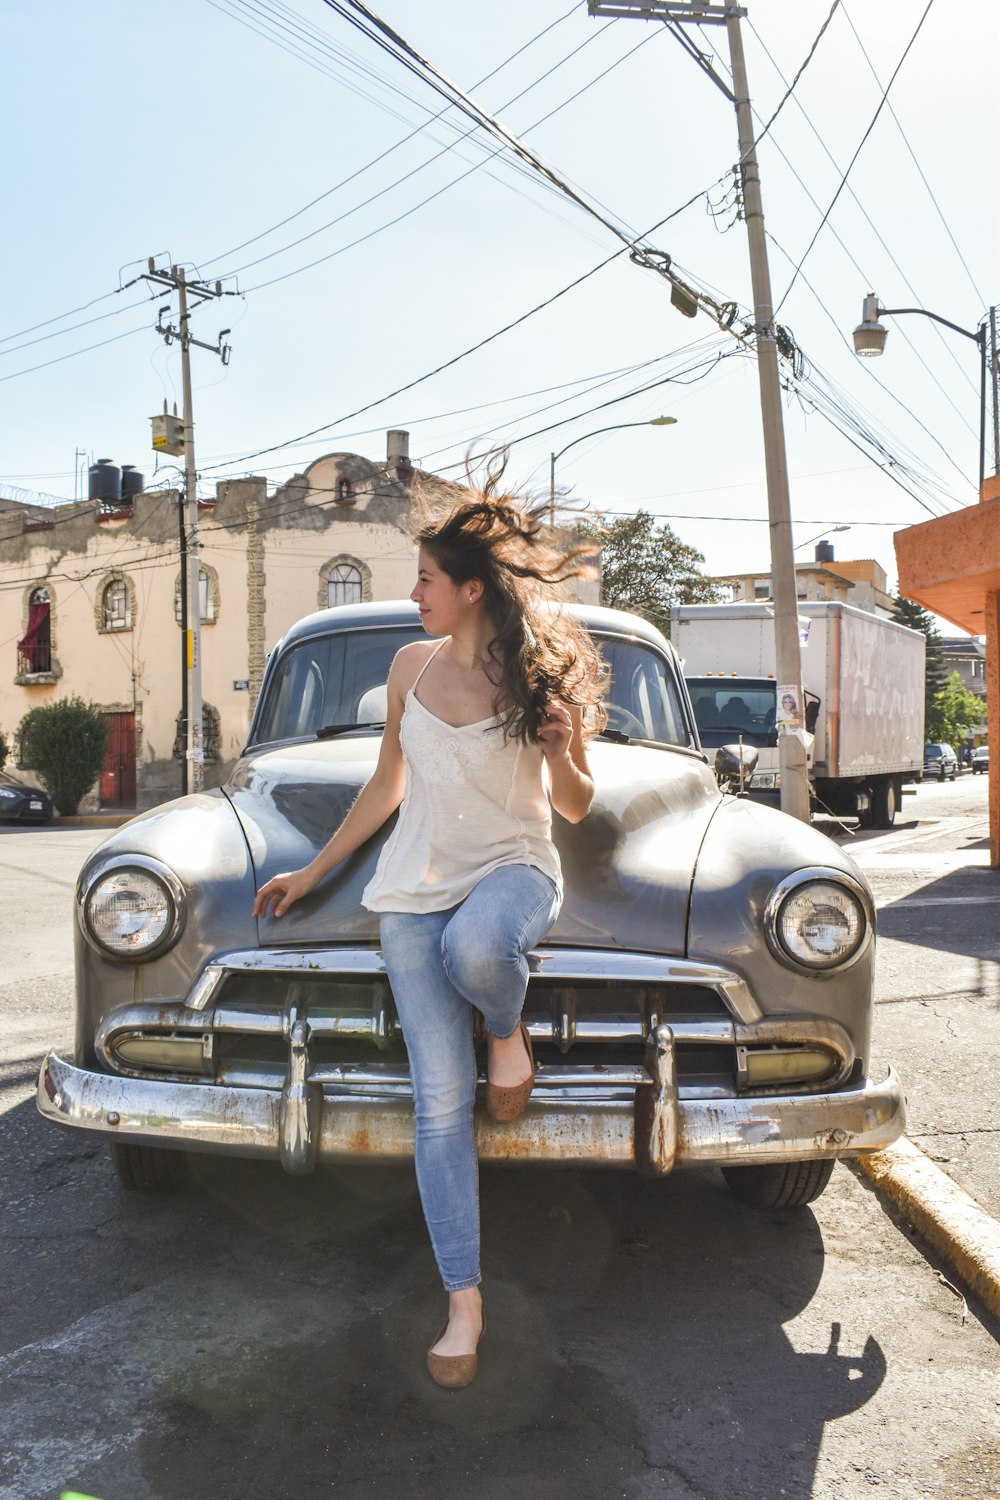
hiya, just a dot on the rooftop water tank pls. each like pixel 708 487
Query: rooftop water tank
pixel 105 482
pixel 133 483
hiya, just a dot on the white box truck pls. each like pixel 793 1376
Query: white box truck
pixel 863 681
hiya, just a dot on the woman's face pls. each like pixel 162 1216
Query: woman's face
pixel 788 703
pixel 443 604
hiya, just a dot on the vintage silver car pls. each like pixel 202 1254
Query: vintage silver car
pixel 705 997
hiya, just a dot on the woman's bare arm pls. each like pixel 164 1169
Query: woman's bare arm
pixel 561 737
pixel 377 801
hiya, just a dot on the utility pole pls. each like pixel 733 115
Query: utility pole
pixel 168 439
pixel 793 759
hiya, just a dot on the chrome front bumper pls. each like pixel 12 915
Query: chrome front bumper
pixel 638 1120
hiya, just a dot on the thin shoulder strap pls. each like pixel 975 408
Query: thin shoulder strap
pixel 427 663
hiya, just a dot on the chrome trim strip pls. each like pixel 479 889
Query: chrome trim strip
pixel 149 1020
pixel 744 1131
pixel 568 965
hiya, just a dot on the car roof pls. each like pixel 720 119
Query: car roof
pixel 394 612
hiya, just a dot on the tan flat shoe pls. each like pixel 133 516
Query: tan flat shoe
pixel 453 1371
pixel 503 1104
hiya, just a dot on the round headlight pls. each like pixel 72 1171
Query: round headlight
pixel 132 913
pixel 818 924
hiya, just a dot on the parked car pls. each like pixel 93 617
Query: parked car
pixel 20 803
pixel 980 759
pixel 705 996
pixel 940 761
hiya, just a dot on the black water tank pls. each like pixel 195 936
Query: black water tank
pixel 105 481
pixel 133 483
pixel 824 552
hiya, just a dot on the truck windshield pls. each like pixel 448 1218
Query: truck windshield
pixel 340 680
pixel 727 708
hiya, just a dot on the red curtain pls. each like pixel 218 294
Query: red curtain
pixel 35 645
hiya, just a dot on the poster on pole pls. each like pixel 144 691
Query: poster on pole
pixel 788 715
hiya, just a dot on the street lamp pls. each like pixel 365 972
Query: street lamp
pixel 652 422
pixel 869 342
pixel 828 532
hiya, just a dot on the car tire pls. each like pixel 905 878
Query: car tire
pixel 790 1186
pixel 147 1169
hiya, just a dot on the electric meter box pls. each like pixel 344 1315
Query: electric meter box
pixel 168 433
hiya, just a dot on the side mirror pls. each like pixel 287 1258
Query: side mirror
pixel 735 764
pixel 812 712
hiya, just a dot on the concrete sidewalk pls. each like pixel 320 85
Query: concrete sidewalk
pixel 938 1021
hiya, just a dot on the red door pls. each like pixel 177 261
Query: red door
pixel 118 771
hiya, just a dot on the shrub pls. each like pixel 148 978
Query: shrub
pixel 63 744
pixel 4 750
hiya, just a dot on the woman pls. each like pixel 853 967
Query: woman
pixel 469 880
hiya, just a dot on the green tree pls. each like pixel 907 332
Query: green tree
pixel 646 568
pixel 907 612
pixel 4 750
pixel 954 713
pixel 63 744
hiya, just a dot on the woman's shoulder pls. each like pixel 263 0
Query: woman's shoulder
pixel 409 661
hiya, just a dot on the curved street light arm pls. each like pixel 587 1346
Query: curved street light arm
pixel 979 337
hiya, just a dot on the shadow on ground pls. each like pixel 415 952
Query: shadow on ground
pixel 254 1335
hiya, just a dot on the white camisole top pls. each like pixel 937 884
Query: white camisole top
pixel 472 803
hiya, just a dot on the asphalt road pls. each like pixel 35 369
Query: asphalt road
pixel 258 1336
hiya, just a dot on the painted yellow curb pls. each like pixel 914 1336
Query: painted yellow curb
pixel 942 1213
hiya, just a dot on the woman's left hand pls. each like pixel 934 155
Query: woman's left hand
pixel 555 730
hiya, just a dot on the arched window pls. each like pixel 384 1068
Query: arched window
pixel 34 650
pixel 115 614
pixel 208 593
pixel 345 491
pixel 344 584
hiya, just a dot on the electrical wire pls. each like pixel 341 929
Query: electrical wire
pixel 383 35
pixel 920 170
pixel 866 366
pixel 857 153
pixel 392 186
pixel 73 353
pixel 455 359
pixel 820 390
pixel 874 228
pixel 86 323
pixel 224 255
pixel 791 87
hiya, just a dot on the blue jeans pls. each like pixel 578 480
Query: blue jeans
pixel 441 964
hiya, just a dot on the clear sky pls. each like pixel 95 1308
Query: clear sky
pixel 194 130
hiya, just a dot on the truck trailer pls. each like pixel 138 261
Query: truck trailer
pixel 863 686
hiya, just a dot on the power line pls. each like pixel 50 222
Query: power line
pixel 455 359
pixel 73 354
pixel 866 366
pixel 875 230
pixel 791 87
pixel 850 164
pixel 391 187
pixel 383 35
pixel 389 150
pixel 906 143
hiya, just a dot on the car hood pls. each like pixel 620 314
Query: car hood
pixel 627 866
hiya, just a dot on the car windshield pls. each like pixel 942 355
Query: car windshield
pixel 336 681
pixel 726 710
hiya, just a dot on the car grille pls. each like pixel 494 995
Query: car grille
pixel 590 1016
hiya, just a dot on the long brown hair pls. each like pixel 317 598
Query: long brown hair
pixel 539 651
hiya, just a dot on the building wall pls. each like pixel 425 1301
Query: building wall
pixel 267 559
